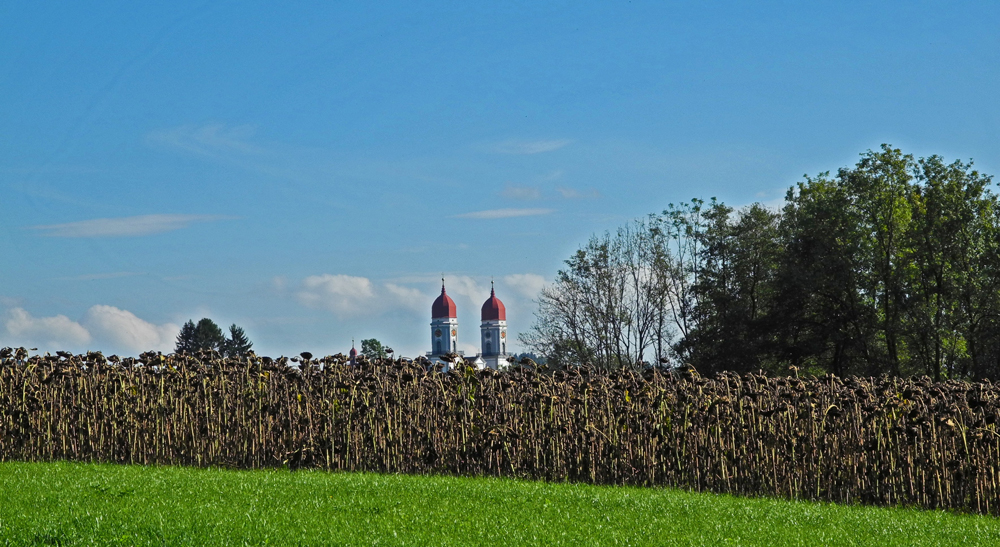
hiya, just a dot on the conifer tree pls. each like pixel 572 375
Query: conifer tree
pixel 208 335
pixel 237 345
pixel 185 340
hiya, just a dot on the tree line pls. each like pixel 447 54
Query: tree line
pixel 890 266
pixel 206 335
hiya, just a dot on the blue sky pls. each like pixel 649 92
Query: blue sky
pixel 310 170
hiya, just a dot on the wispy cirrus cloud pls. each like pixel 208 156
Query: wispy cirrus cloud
pixel 521 192
pixel 573 193
pixel 504 213
pixel 530 147
pixel 142 225
pixel 208 140
pixel 98 276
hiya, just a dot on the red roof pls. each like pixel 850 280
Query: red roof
pixel 493 309
pixel 444 306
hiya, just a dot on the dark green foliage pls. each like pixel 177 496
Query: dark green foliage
pixel 237 345
pixel 877 441
pixel 732 327
pixel 208 336
pixel 890 267
pixel 373 349
pixel 185 340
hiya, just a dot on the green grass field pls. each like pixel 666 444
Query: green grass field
pixel 79 504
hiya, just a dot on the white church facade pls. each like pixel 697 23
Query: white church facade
pixel 492 332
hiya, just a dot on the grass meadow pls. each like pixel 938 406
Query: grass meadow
pixel 89 504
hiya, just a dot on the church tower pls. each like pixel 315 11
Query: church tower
pixel 493 331
pixel 444 325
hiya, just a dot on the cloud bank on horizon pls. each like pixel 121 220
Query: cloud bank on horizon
pixel 102 327
pixel 348 299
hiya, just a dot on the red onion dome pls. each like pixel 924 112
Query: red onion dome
pixel 493 309
pixel 444 306
pixel 354 352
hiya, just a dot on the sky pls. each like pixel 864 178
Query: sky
pixel 309 171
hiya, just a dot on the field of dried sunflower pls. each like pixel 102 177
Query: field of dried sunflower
pixel 881 441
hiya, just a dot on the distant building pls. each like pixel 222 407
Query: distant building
pixel 493 332
pixel 444 325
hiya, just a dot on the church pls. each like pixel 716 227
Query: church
pixel 492 332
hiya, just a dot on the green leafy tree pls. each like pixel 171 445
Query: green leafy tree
pixel 821 319
pixel 952 230
pixel 890 266
pixel 373 349
pixel 735 290
pixel 881 188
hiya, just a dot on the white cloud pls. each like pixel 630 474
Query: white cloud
pixel 572 193
pixel 58 332
pixel 469 289
pixel 341 294
pixel 407 297
pixel 505 213
pixel 521 192
pixel 530 147
pixel 125 226
pixel 124 330
pixel 527 285
pixel 351 296
pixel 280 283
